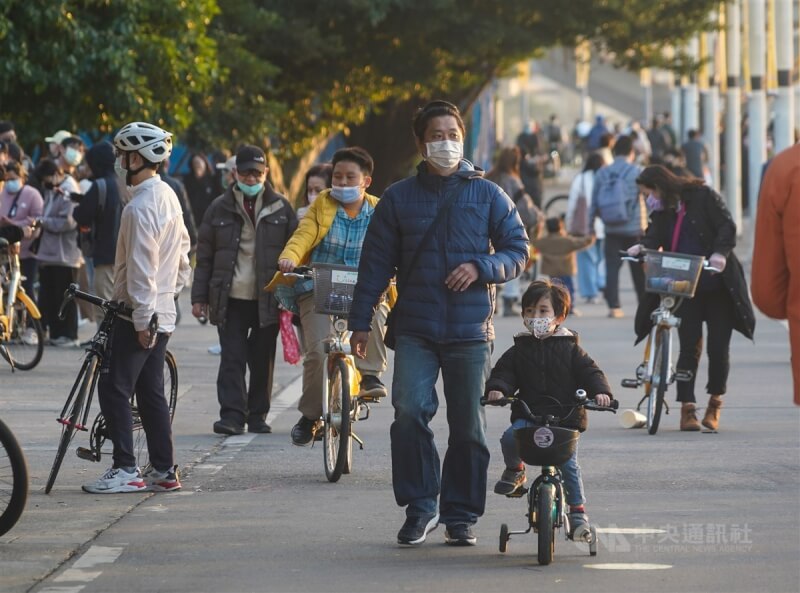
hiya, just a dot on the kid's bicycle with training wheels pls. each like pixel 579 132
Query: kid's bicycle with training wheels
pixel 548 445
pixel 75 413
pixel 13 479
pixel 342 404
pixel 21 332
pixel 674 277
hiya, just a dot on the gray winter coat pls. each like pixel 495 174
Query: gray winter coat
pixel 218 246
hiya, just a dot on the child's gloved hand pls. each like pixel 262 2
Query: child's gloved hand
pixel 602 399
pixel 494 395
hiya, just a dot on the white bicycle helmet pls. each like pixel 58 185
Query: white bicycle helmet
pixel 148 140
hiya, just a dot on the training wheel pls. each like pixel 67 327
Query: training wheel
pixel 503 538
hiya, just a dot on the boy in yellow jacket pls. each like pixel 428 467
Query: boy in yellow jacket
pixel 332 232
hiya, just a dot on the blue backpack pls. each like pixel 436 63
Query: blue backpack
pixel 612 199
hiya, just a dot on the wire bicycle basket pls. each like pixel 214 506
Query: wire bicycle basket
pixel 333 288
pixel 675 274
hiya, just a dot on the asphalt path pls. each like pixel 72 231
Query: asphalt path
pixel 676 511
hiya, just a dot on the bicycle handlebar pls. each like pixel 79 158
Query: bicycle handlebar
pixel 303 272
pixel 581 400
pixel 74 292
pixel 624 256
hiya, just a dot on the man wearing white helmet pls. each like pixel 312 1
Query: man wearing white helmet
pixel 151 266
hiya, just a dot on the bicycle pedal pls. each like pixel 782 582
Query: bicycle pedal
pixel 631 383
pixel 86 454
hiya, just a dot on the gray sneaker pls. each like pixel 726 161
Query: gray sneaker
pixel 578 526
pixel 511 481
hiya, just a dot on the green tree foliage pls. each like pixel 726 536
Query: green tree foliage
pixel 295 72
pixel 92 65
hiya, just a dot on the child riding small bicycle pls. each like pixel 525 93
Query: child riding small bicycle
pixel 546 366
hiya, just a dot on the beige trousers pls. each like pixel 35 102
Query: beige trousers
pixel 316 328
pixel 103 286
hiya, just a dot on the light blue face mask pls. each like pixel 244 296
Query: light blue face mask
pixel 13 186
pixel 346 194
pixel 73 156
pixel 250 190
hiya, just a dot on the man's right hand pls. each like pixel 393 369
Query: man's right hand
pixel 200 310
pixel 285 265
pixel 635 250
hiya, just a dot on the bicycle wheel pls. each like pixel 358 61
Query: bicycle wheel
pixel 27 338
pixel 658 382
pixel 13 479
pixel 336 430
pixel 171 395
pixel 556 207
pixel 85 383
pixel 545 522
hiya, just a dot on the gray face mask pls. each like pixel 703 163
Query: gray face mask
pixel 121 171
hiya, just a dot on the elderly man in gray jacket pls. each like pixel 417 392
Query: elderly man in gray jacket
pixel 620 234
pixel 242 233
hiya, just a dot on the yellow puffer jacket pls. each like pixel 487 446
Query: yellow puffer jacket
pixel 309 233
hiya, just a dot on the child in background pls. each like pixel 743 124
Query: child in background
pixel 545 367
pixel 557 250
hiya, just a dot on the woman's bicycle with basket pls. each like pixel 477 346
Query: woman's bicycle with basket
pixel 75 413
pixel 342 406
pixel 674 277
pixel 548 445
pixel 21 332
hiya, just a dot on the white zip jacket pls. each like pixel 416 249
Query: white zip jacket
pixel 152 261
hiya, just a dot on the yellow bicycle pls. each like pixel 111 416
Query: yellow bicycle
pixel 21 332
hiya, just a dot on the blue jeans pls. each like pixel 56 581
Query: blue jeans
pixel 591 270
pixel 417 476
pixel 570 471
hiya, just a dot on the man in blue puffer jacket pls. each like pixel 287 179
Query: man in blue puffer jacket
pixel 442 320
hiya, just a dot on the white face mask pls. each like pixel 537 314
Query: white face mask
pixel 540 327
pixel 445 154
pixel 121 171
pixel 312 195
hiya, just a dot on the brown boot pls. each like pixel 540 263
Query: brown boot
pixel 688 418
pixel 711 418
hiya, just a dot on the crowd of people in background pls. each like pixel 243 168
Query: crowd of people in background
pixel 635 189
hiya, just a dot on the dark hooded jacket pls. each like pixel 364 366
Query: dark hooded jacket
pixel 546 373
pixel 103 222
pixel 712 225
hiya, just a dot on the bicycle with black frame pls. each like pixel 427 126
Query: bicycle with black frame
pixel 75 413
pixel 549 445
pixel 13 479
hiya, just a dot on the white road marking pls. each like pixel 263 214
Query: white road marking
pixel 239 440
pixel 79 572
pixel 628 566
pixel 630 530
pixel 286 399
pixel 98 555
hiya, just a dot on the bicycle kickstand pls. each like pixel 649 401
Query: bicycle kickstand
pixel 7 356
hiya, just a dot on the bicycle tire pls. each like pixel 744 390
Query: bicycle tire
pixel 545 524
pixel 658 382
pixel 336 423
pixel 86 379
pixel 171 395
pixel 556 207
pixel 13 472
pixel 25 356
